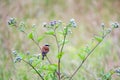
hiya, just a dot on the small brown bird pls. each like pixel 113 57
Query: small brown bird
pixel 45 50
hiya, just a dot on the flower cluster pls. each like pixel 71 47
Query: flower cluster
pixel 57 23
pixel 17 59
pixel 12 21
pixel 103 25
pixel 30 60
pixel 73 23
pixel 52 23
pixel 14 53
pixel 115 25
pixel 117 71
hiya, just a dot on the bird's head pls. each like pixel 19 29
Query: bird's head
pixel 47 45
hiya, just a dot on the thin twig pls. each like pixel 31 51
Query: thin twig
pixel 37 45
pixel 58 46
pixel 48 59
pixel 58 73
pixel 59 69
pixel 34 69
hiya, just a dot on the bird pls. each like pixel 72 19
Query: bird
pixel 45 50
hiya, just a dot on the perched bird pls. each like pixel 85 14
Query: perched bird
pixel 45 50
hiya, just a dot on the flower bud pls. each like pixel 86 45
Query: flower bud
pixel 14 53
pixel 18 59
pixel 109 30
pixel 12 21
pixel 72 20
pixel 52 23
pixel 33 25
pixel 59 21
pixel 28 53
pixel 73 23
pixel 115 25
pixel 31 60
pixel 55 22
pixel 102 25
pixel 44 24
pixel 117 71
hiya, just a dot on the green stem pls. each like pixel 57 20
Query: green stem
pixel 37 45
pixel 86 58
pixel 59 60
pixel 58 46
pixel 48 59
pixel 34 69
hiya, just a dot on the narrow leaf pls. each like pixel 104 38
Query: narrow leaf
pixel 50 32
pixel 98 38
pixel 40 38
pixel 30 35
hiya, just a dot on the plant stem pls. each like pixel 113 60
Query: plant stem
pixel 63 42
pixel 57 42
pixel 48 59
pixel 84 60
pixel 86 57
pixel 59 69
pixel 58 46
pixel 58 73
pixel 34 42
pixel 34 69
pixel 59 60
pixel 37 45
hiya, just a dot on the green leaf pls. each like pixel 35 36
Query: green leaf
pixel 22 29
pixel 30 35
pixel 59 56
pixel 52 67
pixel 87 49
pixel 40 38
pixel 23 56
pixel 107 77
pixel 50 32
pixel 98 38
pixel 65 31
pixel 22 26
pixel 36 62
pixel 82 56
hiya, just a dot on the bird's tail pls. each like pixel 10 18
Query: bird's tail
pixel 43 57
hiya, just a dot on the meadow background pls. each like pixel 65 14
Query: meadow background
pixel 89 14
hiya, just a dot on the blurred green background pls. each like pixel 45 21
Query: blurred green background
pixel 89 14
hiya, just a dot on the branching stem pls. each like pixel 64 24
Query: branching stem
pixel 86 58
pixel 59 60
